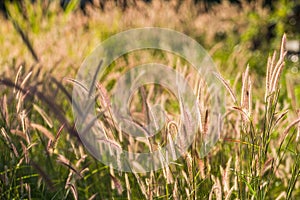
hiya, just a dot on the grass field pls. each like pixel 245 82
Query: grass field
pixel 257 155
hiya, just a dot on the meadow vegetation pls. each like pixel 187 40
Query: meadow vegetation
pixel 42 47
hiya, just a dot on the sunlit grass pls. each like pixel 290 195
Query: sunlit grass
pixel 42 157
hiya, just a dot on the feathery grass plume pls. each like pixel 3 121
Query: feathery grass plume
pixel 117 184
pixel 149 184
pixel 200 103
pixel 105 100
pixel 128 189
pixel 44 115
pixel 216 189
pixel 27 77
pixel 227 86
pixel 142 91
pixel 67 94
pixel 153 118
pixel 270 69
pixel 81 85
pixel 17 77
pixel 4 110
pixel 281 117
pixel 201 166
pixel 169 175
pixel 155 184
pixel 80 161
pixel 162 160
pixel 62 88
pixel 189 162
pixel 112 174
pixel 149 188
pixel 250 97
pixel 74 149
pixel 246 97
pixel 286 131
pixel 172 131
pixel 175 194
pixel 141 184
pixel 55 108
pixel 277 69
pixel 18 133
pixel 188 193
pixel 268 74
pixel 228 195
pixel 120 133
pixel 243 113
pixel 22 116
pixel 70 185
pixel 106 104
pixel 205 124
pixel 21 101
pixel 25 152
pixel 110 142
pixel 19 93
pixel 267 165
pixel 281 196
pixel 185 176
pixel 58 134
pixel 226 177
pixel 63 160
pixel 9 142
pixel 262 186
pixel 46 100
pixel 244 94
pixel 281 151
pixel 255 168
pixel 28 189
pixel 43 130
pixel 73 190
pixel 93 196
pixel 93 84
pixel 147 109
pixel 280 63
pixel 201 125
pixel 274 71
